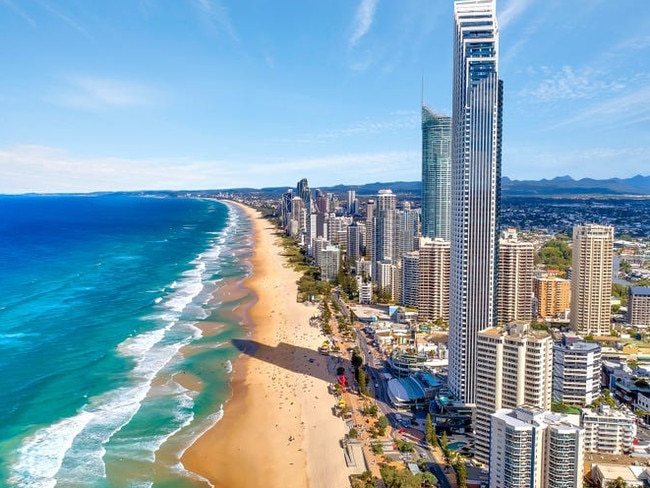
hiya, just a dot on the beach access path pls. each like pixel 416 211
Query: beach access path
pixel 278 428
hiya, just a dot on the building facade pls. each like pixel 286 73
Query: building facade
pixel 515 288
pixel 638 306
pixel 553 296
pixel 516 369
pixel 410 270
pixel 475 188
pixel 534 448
pixel 433 279
pixel 436 174
pixel 608 431
pixel 576 371
pixel 591 279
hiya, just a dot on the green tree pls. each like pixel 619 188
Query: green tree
pixel 430 432
pixel 363 386
pixel 363 480
pixel 357 360
pixel 353 433
pixel 444 442
pixel 555 253
pixel 461 472
pixel 382 424
pixel 427 479
pixel 617 483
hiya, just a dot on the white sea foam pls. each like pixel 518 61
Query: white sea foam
pixel 41 455
pixel 73 449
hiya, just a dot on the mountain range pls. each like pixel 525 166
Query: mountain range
pixel 561 186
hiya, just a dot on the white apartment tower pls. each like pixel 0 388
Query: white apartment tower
pixel 591 279
pixel 516 369
pixel 515 282
pixel 433 279
pixel 576 371
pixel 475 188
pixel 533 448
pixel 409 281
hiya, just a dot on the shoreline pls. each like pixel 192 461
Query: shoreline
pixel 278 428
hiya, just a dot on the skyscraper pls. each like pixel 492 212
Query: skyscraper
pixel 591 279
pixel 475 188
pixel 436 174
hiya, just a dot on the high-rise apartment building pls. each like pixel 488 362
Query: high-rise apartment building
pixel 516 369
pixel 475 188
pixel 515 288
pixel 436 174
pixel 534 448
pixel 384 226
pixel 409 281
pixel 576 371
pixel 591 279
pixel 553 296
pixel 638 306
pixel 433 279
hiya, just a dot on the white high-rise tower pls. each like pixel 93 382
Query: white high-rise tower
pixel 475 188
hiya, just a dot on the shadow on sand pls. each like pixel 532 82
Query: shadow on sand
pixel 298 359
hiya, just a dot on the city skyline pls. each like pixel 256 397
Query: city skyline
pixel 206 94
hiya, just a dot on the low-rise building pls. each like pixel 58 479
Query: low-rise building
pixel 608 430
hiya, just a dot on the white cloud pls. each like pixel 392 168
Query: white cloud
pixel 363 20
pixel 94 93
pixel 569 83
pixel 42 169
pixel 627 109
pixel 216 15
pixel 65 18
pixel 512 11
pixel 12 6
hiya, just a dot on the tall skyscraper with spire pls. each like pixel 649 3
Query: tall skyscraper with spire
pixel 475 188
pixel 436 174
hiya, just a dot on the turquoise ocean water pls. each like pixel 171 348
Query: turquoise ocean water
pixel 100 299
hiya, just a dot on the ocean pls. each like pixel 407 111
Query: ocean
pixel 104 304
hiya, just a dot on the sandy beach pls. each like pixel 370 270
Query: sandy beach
pixel 278 429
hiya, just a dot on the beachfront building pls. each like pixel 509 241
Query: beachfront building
pixel 608 430
pixel 364 288
pixel 515 290
pixel 534 448
pixel 327 258
pixel 436 174
pixel 405 363
pixel 638 306
pixel 433 279
pixel 591 279
pixel 516 369
pixel 553 296
pixel 475 188
pixel 413 391
pixel 577 367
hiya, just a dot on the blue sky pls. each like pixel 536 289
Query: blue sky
pixel 198 94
